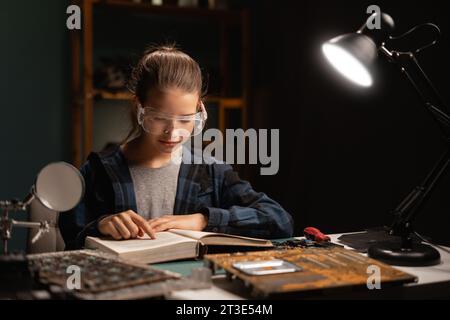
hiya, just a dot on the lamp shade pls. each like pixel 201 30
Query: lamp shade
pixel 353 54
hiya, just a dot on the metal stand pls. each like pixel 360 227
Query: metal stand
pixel 6 223
pixel 406 251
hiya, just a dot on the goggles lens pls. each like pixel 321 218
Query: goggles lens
pixel 159 123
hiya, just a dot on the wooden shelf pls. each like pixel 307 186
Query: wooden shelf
pixel 108 95
pixel 226 102
pixel 231 16
pixel 82 44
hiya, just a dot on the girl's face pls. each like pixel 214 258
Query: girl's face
pixel 172 102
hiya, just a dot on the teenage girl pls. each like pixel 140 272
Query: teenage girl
pixel 136 188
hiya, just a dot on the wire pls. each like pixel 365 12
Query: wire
pixel 430 242
pixel 440 99
pixel 428 24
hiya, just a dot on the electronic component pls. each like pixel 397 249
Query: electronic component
pixel 322 268
pixel 103 276
pixel 265 267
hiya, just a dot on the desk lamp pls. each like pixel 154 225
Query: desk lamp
pixel 353 55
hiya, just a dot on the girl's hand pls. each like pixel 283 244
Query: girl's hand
pixel 196 222
pixel 125 225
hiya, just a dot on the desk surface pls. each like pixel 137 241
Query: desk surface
pixel 223 289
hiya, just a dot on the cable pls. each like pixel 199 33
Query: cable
pixel 440 100
pixel 435 27
pixel 430 242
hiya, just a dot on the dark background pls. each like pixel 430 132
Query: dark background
pixel 348 155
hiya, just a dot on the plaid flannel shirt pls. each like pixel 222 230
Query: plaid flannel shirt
pixel 214 189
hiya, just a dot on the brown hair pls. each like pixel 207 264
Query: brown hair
pixel 162 67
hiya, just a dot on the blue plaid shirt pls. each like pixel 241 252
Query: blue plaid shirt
pixel 232 206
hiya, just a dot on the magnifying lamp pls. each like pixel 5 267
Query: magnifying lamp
pixel 59 186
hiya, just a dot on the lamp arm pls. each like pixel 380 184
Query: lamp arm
pixel 408 209
pixel 423 86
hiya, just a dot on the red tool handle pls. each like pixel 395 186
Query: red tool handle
pixel 315 234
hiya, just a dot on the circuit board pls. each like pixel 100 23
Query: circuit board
pixel 97 273
pixel 320 268
pixel 103 276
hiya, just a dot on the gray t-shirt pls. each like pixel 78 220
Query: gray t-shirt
pixel 155 189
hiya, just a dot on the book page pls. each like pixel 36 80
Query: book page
pixel 220 238
pixel 197 235
pixel 145 243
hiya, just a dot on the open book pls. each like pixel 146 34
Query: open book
pixel 171 245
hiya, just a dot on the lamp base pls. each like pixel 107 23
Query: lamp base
pixel 394 253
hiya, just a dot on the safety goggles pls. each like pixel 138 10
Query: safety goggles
pixel 160 123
